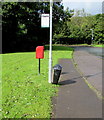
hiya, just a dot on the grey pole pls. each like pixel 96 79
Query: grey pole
pixel 92 36
pixel 50 51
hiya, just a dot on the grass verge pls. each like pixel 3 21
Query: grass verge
pixel 101 45
pixel 25 93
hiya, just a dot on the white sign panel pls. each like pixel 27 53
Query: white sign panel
pixel 45 20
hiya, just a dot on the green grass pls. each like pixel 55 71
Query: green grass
pixel 101 45
pixel 25 93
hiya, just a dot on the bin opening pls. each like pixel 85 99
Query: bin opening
pixel 57 67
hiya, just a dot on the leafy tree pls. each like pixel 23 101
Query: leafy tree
pixel 98 30
pixel 62 31
pixel 22 24
pixel 77 29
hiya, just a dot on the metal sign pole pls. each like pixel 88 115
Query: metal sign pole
pixel 92 36
pixel 50 51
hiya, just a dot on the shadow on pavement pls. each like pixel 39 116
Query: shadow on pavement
pixel 66 82
pixel 64 73
pixel 93 75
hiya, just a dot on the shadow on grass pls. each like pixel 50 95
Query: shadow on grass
pixel 61 48
pixel 46 47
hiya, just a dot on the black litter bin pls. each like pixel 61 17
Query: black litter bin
pixel 56 73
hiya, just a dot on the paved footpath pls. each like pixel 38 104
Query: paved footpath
pixel 75 99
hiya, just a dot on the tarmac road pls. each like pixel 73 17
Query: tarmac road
pixel 90 65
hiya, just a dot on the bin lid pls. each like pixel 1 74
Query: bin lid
pixel 57 67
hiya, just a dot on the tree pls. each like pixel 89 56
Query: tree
pixel 98 30
pixel 77 29
pixel 62 31
pixel 22 24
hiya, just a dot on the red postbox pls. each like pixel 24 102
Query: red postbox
pixel 40 52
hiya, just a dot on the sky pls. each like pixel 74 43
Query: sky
pixel 91 6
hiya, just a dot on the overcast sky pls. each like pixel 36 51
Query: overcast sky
pixel 90 6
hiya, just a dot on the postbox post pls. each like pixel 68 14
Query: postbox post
pixel 39 65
